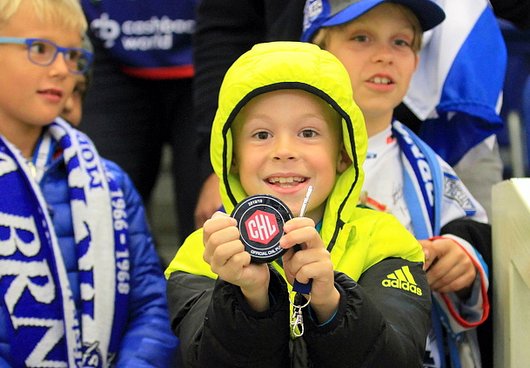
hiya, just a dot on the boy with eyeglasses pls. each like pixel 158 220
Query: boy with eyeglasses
pixel 80 281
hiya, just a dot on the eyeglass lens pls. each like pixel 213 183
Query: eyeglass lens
pixel 44 53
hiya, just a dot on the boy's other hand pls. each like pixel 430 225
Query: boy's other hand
pixel 312 261
pixel 448 266
pixel 226 255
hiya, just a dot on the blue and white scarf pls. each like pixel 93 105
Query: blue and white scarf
pixel 422 176
pixel 426 184
pixel 45 329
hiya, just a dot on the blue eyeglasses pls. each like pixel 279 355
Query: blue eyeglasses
pixel 43 52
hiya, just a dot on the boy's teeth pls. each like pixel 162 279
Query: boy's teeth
pixel 284 180
pixel 380 80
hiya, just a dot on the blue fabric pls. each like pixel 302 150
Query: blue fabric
pixel 150 34
pixel 465 97
pixel 517 88
pixel 471 92
pixel 482 70
pixel 452 137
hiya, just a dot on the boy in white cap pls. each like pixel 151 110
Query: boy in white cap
pixel 378 42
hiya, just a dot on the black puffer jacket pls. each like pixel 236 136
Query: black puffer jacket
pixel 383 315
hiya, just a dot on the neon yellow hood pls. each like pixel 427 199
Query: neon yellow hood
pixel 291 65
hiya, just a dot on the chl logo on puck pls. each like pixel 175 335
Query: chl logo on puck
pixel 260 220
pixel 261 227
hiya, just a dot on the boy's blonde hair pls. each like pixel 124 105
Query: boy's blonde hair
pixel 321 37
pixel 63 13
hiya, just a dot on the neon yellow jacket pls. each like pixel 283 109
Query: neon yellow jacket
pixel 385 301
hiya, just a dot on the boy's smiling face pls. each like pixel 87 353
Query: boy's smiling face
pixel 285 141
pixel 32 95
pixel 376 49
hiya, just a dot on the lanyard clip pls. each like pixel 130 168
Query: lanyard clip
pixel 297 320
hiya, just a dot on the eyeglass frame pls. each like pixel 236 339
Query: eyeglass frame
pixel 58 49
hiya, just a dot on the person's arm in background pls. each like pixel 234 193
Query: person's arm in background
pixel 225 30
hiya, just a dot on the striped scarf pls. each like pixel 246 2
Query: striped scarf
pixel 44 327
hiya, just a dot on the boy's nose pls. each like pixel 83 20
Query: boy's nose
pixel 59 65
pixel 284 149
pixel 383 53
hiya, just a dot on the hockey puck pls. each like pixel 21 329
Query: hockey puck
pixel 260 219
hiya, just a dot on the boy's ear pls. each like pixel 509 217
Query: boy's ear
pixel 234 168
pixel 343 161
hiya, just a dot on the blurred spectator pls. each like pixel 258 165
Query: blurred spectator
pixel 141 93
